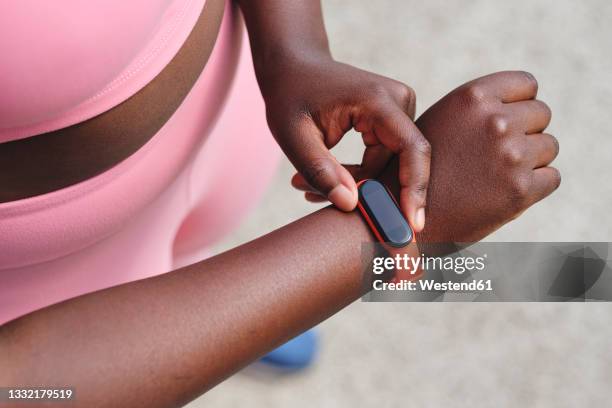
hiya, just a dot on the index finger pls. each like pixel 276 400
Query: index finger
pixel 399 134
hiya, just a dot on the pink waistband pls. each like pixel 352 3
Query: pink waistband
pixel 49 226
pixel 63 63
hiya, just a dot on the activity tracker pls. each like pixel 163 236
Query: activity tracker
pixel 381 212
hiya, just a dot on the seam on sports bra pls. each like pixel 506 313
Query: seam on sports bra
pixel 144 60
pixel 87 108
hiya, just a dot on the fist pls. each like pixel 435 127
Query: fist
pixel 490 157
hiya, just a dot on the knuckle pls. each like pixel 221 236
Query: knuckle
pixel 315 172
pixel 302 116
pixel 405 93
pixel 420 189
pixel 513 156
pixel 474 92
pixel 416 143
pixel 518 192
pixel 422 146
pixel 381 117
pixel 498 124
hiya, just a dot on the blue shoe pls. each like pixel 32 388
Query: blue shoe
pixel 296 354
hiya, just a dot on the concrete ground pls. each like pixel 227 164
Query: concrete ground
pixel 451 354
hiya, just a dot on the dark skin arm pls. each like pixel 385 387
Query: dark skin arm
pixel 313 100
pixel 488 143
pixel 162 341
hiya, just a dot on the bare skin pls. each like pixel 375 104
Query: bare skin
pixel 162 341
pixel 313 100
pixel 510 133
pixel 58 159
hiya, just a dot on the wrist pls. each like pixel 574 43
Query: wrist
pixel 277 60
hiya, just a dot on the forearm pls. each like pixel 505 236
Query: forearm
pixel 284 30
pixel 162 341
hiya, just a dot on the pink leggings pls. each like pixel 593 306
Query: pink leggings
pixel 158 210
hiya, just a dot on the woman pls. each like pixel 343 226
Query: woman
pixel 128 193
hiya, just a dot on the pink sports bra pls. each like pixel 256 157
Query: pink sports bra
pixel 52 77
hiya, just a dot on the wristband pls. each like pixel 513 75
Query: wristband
pixel 383 215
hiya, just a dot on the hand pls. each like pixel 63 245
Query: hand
pixel 312 104
pixel 490 158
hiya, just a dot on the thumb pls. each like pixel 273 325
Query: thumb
pixel 325 174
pixel 319 167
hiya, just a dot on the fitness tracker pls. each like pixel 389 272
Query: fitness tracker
pixel 381 212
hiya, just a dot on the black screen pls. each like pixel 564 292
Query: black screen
pixel 384 213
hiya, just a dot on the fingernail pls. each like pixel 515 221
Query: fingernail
pixel 419 220
pixel 341 197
